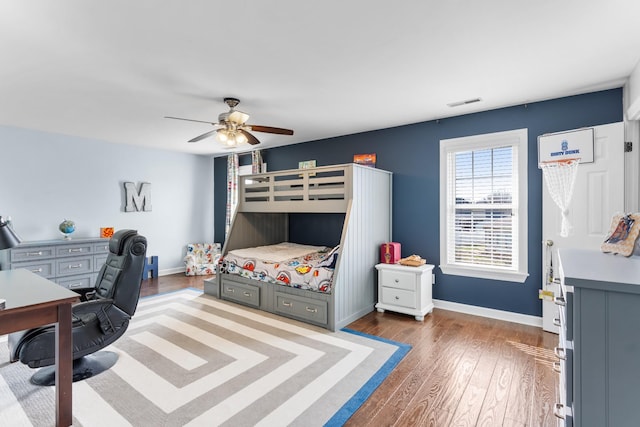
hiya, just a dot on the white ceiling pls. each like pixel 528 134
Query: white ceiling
pixel 111 70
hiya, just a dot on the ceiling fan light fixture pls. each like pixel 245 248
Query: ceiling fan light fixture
pixel 241 138
pixel 222 135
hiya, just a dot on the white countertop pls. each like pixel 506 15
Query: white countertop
pixel 583 267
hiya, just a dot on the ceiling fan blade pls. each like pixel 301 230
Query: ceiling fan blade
pixel 203 136
pixel 269 129
pixel 238 117
pixel 250 138
pixel 189 120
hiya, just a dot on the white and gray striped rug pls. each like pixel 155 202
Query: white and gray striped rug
pixel 191 360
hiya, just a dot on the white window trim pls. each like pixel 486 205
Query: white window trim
pixel 517 138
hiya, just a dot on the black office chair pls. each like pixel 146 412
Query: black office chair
pixel 99 319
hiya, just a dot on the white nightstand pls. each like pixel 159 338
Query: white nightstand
pixel 405 289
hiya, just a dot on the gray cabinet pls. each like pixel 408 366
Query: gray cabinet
pixel 70 263
pixel 599 340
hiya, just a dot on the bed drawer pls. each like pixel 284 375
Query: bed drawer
pixel 302 308
pixel 240 292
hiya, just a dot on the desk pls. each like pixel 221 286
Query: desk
pixel 33 301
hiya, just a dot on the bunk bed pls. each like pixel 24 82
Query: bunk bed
pixel 282 207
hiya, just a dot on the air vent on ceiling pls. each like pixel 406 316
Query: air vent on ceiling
pixel 465 102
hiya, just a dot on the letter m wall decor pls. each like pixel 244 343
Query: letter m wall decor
pixel 137 200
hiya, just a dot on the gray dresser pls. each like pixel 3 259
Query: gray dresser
pixel 71 263
pixel 599 340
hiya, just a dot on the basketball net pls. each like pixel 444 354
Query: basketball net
pixel 560 176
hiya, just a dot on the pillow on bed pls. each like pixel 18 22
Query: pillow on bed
pixel 277 253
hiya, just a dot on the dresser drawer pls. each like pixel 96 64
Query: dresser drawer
pixel 32 254
pixel 302 308
pixel 398 279
pixel 74 266
pixel 75 282
pixel 44 268
pixel 399 297
pixel 242 293
pixel 101 248
pixel 73 250
pixel 98 261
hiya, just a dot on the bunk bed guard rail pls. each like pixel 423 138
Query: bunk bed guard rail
pixel 322 189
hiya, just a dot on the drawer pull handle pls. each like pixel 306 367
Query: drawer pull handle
pixel 246 294
pixel 556 321
pixel 560 353
pixel 37 270
pixel 231 290
pixel 556 367
pixel 71 250
pixel 558 411
pixel 72 266
pixel 560 301
pixel 397 297
pixel 73 285
pixel 397 281
pixel 287 304
pixel 34 253
pixel 311 310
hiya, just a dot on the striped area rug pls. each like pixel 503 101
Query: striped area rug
pixel 188 359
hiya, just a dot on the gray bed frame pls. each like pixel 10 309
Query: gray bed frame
pixel 265 201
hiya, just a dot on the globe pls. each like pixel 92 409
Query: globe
pixel 67 227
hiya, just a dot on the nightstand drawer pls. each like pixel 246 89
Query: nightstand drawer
pixel 399 297
pixel 398 279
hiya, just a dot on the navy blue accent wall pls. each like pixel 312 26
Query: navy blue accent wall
pixel 412 153
pixel 316 229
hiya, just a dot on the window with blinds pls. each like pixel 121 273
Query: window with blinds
pixel 482 192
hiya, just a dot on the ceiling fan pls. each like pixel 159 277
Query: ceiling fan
pixel 234 128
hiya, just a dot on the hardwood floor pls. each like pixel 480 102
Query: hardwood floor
pixel 462 370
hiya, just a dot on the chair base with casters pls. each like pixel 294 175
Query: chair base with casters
pixel 83 368
pixel 99 319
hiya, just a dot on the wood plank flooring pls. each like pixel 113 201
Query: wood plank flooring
pixel 462 370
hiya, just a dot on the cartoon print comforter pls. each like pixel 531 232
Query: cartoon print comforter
pixel 311 271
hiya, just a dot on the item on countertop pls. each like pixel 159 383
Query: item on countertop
pixel 67 227
pixel 106 232
pixel 390 253
pixel 413 261
pixel 622 235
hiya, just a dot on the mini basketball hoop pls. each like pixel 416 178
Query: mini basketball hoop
pixel 560 176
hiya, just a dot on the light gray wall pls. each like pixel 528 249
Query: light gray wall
pixel 46 178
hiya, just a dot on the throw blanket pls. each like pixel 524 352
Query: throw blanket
pixel 312 269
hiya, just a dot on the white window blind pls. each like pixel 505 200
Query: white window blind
pixel 481 208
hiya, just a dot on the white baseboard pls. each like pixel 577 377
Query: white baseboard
pixel 170 271
pixel 507 316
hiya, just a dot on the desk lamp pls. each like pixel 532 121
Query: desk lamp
pixel 8 239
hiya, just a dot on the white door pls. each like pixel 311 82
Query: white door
pixel 598 194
